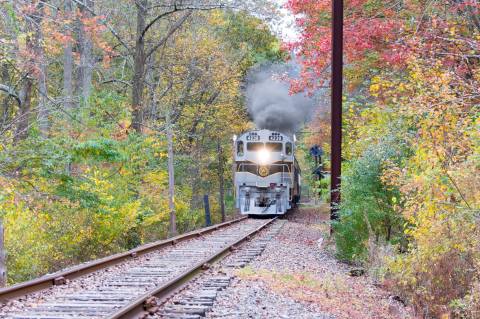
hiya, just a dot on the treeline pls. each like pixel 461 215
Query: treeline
pixel 93 96
pixel 410 207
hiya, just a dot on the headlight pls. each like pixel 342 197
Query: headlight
pixel 263 156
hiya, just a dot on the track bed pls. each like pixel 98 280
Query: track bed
pixel 122 290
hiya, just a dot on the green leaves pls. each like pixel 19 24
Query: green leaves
pixel 250 35
pixel 367 207
pixel 97 151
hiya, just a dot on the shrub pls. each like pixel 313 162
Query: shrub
pixel 367 211
pixel 441 270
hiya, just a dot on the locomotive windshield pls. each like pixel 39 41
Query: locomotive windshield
pixel 274 147
pixel 240 148
pixel 288 148
pixel 254 146
pixel 269 146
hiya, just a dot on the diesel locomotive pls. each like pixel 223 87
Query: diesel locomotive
pixel 266 173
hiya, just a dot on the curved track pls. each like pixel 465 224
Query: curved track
pixel 159 273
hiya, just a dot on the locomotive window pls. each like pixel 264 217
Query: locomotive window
pixel 240 148
pixel 288 148
pixel 274 147
pixel 254 146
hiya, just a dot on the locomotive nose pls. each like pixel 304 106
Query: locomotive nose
pixel 263 156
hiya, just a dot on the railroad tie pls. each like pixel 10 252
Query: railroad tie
pixel 245 255
pixel 196 304
pixel 108 295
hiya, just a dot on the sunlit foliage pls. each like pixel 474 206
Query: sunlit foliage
pixel 411 144
pixel 77 182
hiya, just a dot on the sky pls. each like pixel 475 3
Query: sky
pixel 284 25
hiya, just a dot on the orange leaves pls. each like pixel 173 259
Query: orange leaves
pixel 58 29
pixel 91 25
pixel 94 28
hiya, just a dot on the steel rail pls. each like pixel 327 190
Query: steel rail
pixel 136 309
pixel 59 278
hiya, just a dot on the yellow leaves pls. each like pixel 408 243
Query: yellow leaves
pixel 217 17
pixel 156 177
pixel 22 40
pixel 375 86
pixel 452 30
pixel 439 182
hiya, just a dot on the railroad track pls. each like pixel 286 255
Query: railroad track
pixel 124 290
pixel 199 297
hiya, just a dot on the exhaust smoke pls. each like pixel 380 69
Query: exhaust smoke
pixel 269 102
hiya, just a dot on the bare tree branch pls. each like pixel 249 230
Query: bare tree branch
pixel 178 9
pixel 151 23
pixel 11 92
pixel 170 32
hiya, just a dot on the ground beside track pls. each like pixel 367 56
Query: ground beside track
pixel 297 276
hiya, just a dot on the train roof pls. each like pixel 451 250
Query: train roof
pixel 265 132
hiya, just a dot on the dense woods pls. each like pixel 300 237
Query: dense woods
pixel 94 96
pixel 116 117
pixel 410 188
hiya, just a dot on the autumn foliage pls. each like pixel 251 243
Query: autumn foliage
pixel 76 181
pixel 411 151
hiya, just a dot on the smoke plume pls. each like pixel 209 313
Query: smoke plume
pixel 269 103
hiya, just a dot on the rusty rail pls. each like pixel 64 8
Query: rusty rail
pixel 136 309
pixel 60 277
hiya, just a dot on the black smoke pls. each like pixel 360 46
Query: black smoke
pixel 269 102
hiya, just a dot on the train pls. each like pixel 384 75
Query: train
pixel 267 177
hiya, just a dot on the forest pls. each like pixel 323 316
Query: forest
pixel 90 93
pixel 410 209
pixel 101 101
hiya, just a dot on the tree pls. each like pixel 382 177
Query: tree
pixel 89 187
pixel 412 74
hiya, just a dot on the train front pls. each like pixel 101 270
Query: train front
pixel 265 174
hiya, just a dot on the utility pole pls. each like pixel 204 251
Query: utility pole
pixel 171 177
pixel 336 104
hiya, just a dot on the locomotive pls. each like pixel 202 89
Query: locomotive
pixel 266 173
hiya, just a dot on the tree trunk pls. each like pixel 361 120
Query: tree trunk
pixel 24 112
pixel 32 44
pixel 68 66
pixel 3 262
pixel 43 112
pixel 5 103
pixel 221 181
pixel 139 68
pixel 85 45
pixel 171 178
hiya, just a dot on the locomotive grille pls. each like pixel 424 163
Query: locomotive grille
pixel 272 169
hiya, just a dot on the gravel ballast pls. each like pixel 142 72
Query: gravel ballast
pixel 173 260
pixel 295 277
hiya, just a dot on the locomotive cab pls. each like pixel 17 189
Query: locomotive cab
pixel 266 174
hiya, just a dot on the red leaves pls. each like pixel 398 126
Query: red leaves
pixel 384 35
pixel 363 34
